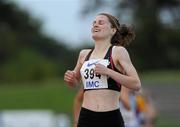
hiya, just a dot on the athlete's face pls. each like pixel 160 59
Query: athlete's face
pixel 101 28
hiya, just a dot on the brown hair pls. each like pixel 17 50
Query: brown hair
pixel 124 34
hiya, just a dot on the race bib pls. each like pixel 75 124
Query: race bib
pixel 90 79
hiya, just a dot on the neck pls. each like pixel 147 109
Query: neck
pixel 101 45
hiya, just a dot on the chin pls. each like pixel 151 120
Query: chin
pixel 96 37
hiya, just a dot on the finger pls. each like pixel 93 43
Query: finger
pixel 96 70
pixel 68 79
pixel 69 74
pixel 68 71
pixel 97 67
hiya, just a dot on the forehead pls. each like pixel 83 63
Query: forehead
pixel 101 17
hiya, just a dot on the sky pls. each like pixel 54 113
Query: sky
pixel 61 19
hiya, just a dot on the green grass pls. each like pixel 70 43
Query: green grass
pixel 161 76
pixel 165 122
pixel 54 95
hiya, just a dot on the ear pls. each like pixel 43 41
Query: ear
pixel 114 31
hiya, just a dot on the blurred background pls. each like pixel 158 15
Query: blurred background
pixel 41 39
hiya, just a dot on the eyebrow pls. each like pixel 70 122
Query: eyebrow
pixel 99 21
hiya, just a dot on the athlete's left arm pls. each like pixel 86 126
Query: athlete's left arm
pixel 131 79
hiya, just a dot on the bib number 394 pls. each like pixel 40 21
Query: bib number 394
pixel 90 73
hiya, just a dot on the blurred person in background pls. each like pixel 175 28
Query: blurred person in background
pixel 146 111
pixel 128 107
pixel 104 69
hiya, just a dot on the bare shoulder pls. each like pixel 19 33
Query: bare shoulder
pixel 120 51
pixel 83 53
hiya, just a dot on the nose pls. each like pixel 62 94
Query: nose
pixel 95 24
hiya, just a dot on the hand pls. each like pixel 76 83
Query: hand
pixel 101 69
pixel 74 124
pixel 70 78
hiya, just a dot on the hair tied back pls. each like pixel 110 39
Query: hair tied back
pixel 124 30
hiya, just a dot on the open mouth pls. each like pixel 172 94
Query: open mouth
pixel 96 30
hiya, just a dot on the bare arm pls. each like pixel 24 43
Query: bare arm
pixel 72 77
pixel 77 105
pixel 130 79
pixel 124 97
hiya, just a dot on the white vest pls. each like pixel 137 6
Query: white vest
pixel 90 79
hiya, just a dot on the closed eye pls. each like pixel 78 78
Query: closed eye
pixel 99 22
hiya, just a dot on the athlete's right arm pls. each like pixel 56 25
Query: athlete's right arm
pixel 72 77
